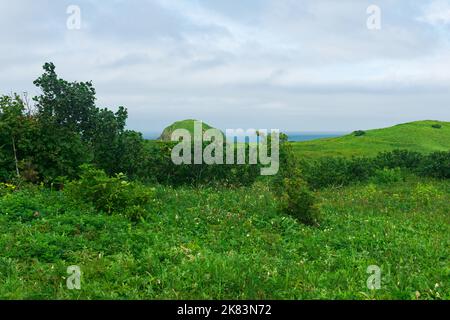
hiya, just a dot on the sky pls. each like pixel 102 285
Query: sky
pixel 292 65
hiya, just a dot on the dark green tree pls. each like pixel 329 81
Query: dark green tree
pixel 76 130
pixel 70 105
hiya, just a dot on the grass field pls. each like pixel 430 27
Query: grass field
pixel 230 244
pixel 416 136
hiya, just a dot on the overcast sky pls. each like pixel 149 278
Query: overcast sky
pixel 287 64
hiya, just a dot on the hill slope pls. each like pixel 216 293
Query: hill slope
pixel 184 124
pixel 418 136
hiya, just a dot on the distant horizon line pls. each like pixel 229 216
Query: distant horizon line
pixel 284 131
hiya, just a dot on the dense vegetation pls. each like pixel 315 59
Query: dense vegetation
pixel 77 188
pixel 64 130
pixel 230 243
pixel 386 166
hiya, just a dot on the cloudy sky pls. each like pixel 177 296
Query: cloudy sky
pixel 310 65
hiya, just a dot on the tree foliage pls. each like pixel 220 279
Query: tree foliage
pixel 65 130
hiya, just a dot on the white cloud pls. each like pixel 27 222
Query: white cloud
pixel 437 13
pixel 269 61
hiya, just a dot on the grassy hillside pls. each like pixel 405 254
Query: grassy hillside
pixel 416 136
pixel 184 124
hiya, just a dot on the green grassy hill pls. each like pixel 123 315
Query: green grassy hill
pixel 184 124
pixel 418 136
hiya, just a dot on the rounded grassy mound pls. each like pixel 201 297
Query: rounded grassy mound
pixel 184 124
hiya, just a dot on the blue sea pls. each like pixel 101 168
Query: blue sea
pixel 308 136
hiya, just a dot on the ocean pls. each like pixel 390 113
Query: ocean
pixel 308 136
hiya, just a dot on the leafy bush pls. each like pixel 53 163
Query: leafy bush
pixel 289 165
pixel 337 171
pixel 325 172
pixel 386 167
pixel 436 165
pixel 386 176
pixel 399 159
pixel 298 201
pixel 110 194
pixel 359 133
pixel 161 169
pixel 291 190
pixel 359 169
pixel 436 126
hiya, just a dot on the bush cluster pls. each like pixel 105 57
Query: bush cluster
pixel 385 167
pixel 161 169
pixel 111 194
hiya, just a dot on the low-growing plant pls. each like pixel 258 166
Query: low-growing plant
pixel 19 206
pixel 6 188
pixel 110 194
pixel 386 176
pixel 425 193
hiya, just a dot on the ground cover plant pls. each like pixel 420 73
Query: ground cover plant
pixel 222 243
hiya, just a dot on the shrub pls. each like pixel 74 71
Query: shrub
pixel 337 171
pixel 161 169
pixel 386 176
pixel 386 167
pixel 359 169
pixel 399 159
pixel 436 126
pixel 289 165
pixel 291 190
pixel 298 201
pixel 110 194
pixel 436 165
pixel 325 172
pixel 359 133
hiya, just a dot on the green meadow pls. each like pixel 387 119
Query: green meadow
pixel 221 243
